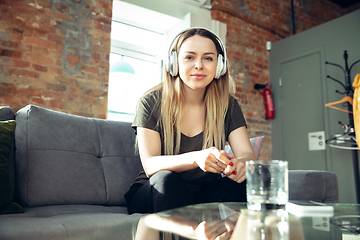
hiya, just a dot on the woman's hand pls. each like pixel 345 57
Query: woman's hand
pixel 215 230
pixel 236 169
pixel 213 160
pixel 242 149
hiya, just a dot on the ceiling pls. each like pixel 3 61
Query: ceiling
pixel 345 3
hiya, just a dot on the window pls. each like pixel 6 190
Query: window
pixel 140 36
pixel 134 68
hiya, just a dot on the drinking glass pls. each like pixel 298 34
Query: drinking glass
pixel 267 184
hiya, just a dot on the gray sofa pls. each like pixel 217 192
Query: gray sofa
pixel 70 173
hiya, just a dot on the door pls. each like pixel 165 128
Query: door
pixel 301 109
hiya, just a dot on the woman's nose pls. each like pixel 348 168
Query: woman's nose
pixel 198 64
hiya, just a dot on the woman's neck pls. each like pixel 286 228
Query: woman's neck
pixel 194 97
pixel 193 118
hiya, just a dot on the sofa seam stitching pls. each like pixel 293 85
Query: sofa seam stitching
pixel 64 150
pixel 101 163
pixel 67 232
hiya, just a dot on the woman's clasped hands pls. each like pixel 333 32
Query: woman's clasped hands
pixel 216 161
pixel 216 230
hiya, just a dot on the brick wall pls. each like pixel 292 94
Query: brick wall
pixel 55 54
pixel 250 24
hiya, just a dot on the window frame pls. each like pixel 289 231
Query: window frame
pixel 137 52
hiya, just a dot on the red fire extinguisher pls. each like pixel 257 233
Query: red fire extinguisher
pixel 268 100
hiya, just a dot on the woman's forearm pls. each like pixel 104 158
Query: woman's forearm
pixel 176 163
pixel 247 156
pixel 208 160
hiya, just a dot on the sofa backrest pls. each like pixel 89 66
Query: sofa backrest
pixel 315 185
pixel 68 159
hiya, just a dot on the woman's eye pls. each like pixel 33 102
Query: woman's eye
pixel 189 57
pixel 208 58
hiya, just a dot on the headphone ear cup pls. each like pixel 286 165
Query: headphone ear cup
pixel 220 67
pixel 172 65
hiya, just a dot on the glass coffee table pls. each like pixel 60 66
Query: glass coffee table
pixel 234 221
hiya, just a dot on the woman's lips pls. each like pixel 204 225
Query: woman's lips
pixel 198 76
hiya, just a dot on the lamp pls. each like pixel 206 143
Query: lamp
pixel 122 66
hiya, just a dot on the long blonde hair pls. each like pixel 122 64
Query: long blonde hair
pixel 216 100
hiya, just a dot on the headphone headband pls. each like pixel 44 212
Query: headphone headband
pixel 172 63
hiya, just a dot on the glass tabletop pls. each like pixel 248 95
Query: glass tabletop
pixel 234 221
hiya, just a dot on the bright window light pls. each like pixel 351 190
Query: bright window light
pixel 137 36
pixel 129 78
pixel 133 69
pixel 139 44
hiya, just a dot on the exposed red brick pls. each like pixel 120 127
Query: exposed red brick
pixel 100 49
pixel 38 101
pixel 39 68
pixel 255 75
pixel 20 72
pixel 29 92
pixel 43 4
pixel 61 8
pixel 101 116
pixel 105 5
pixel 40 42
pixel 37 38
pixel 39 50
pixel 56 70
pixel 25 7
pixel 55 38
pixel 39 59
pixel 9 44
pixel 20 63
pixel 57 104
pixel 54 95
pixel 103 20
pixel 61 16
pixel 90 69
pixel 73 59
pixel 96 93
pixel 7 88
pixel 7 2
pixel 56 87
pixel 10 53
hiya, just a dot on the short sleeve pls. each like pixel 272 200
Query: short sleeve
pixel 148 111
pixel 234 118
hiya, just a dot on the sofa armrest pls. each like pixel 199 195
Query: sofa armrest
pixel 6 113
pixel 320 186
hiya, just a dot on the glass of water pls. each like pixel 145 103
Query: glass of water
pixel 267 184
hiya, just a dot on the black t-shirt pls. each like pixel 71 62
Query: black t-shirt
pixel 147 116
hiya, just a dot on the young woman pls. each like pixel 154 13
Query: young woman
pixel 182 126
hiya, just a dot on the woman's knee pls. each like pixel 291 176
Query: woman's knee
pixel 169 191
pixel 165 179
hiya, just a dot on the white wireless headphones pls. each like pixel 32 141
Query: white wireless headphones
pixel 172 65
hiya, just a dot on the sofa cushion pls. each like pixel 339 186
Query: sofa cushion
pixel 7 129
pixel 70 222
pixel 315 185
pixel 68 159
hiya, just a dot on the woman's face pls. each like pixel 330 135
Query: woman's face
pixel 197 62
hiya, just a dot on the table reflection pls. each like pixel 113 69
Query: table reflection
pixel 220 223
pixel 266 225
